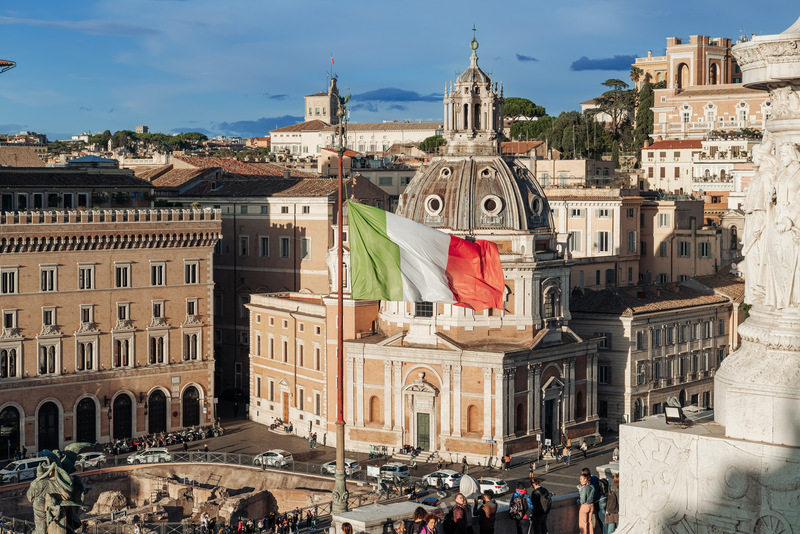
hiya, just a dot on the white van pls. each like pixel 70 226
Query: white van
pixel 22 469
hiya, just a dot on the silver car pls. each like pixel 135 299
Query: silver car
pixel 350 467
pixel 150 456
pixel 274 458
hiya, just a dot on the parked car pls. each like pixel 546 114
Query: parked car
pixel 90 459
pixel 394 469
pixel 274 458
pixel 498 486
pixel 150 456
pixel 449 478
pixel 350 467
pixel 22 469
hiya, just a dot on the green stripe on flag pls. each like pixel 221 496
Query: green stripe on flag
pixel 374 258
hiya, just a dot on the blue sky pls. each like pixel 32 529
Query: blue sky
pixel 237 67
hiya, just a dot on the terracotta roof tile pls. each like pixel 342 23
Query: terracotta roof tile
pixel 675 144
pixel 56 177
pixel 640 300
pixel 314 125
pixel 253 186
pixel 519 147
pixel 19 156
pixel 389 126
pixel 238 167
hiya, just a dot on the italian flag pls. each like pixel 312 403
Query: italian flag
pixel 396 259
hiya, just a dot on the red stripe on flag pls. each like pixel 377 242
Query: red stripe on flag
pixel 475 274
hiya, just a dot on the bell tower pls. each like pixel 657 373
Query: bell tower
pixel 473 111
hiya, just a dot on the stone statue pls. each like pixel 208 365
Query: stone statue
pixel 783 237
pixel 758 210
pixel 55 494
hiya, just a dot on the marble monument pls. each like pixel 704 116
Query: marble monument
pixel 740 472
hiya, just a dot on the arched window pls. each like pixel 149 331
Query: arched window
pixel 659 77
pixel 551 303
pixel 519 418
pixel 8 363
pixel 638 410
pixel 9 420
pixel 734 238
pixel 86 421
pixel 682 76
pixel 375 410
pixel 474 425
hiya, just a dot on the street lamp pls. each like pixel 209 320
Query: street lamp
pixel 340 494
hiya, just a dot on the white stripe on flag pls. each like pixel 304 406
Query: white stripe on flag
pixel 423 259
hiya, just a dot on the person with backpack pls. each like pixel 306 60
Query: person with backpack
pixel 542 502
pixel 485 510
pixel 419 521
pixel 612 508
pixel 520 509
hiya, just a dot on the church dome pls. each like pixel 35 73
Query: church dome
pixel 476 192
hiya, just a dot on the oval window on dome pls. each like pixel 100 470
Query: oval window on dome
pixel 492 205
pixel 536 205
pixel 433 205
pixel 445 172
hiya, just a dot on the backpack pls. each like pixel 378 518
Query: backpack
pixel 545 498
pixel 518 507
pixel 449 524
pixel 603 482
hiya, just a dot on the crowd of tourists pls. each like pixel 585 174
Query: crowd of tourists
pixel 275 522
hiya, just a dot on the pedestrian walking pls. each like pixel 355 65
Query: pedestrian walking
pixel 464 466
pixel 584 448
pixel 507 461
pixel 569 456
pixel 439 465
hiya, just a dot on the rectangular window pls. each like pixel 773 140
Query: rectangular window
pixel 650 172
pixel 157 274
pixel 263 249
pixel 385 180
pixel 122 275
pixel 640 373
pixel 656 337
pixel 423 309
pixel 191 306
pixel 158 309
pixel 670 335
pixel 48 278
pixel 575 212
pixel 663 278
pixel 284 209
pixel 87 313
pixel 48 316
pixel 317 358
pixel 190 270
pixel 317 404
pixel 244 245
pixel 605 340
pixel 264 210
pixel 696 331
pixel 258 386
pixel 602 213
pixel 244 209
pixel 306 210
pixel 721 327
pixel 576 241
pixel 603 241
pixel 641 340
pixel 682 334
pixel 8 280
pixel 632 241
pixel 284 247
pixel 285 350
pixel 643 248
pixel 662 249
pixel 603 374
pixel 305 248
pixel 630 213
pixel 301 355
pixel 657 370
pixel 85 276
pixel 662 172
pixel 704 249
pixel 271 390
pixel 663 220
pixel 677 172
pixel 706 329
pixel 123 311
pixel 684 249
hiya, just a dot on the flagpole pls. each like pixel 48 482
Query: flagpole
pixel 340 494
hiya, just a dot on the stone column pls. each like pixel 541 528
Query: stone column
pixel 387 394
pixel 570 416
pixel 500 412
pixel 348 386
pixel 755 390
pixel 446 400
pixel 537 398
pixel 487 403
pixel 359 391
pixel 398 395
pixel 457 400
pixel 531 397
pixel 510 393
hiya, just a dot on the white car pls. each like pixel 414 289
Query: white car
pixel 498 486
pixel 150 456
pixel 450 479
pixel 350 467
pixel 274 458
pixel 394 469
pixel 90 459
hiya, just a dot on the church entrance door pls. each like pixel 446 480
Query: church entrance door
pixel 424 431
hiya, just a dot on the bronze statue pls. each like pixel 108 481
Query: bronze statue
pixel 56 495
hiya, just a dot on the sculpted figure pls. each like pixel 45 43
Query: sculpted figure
pixel 758 208
pixel 783 240
pixel 56 495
